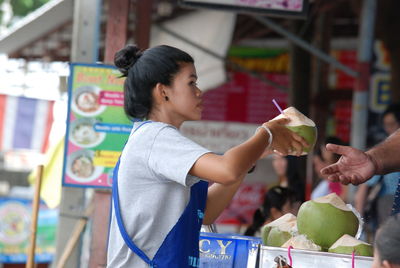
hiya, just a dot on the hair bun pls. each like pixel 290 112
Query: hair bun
pixel 126 58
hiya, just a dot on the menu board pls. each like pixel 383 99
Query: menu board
pixel 97 127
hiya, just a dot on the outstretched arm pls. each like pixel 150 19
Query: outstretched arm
pixel 387 154
pixel 231 167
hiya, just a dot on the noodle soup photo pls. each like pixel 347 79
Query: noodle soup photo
pixel 80 166
pixel 85 101
pixel 83 134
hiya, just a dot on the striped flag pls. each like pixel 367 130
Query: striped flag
pixel 25 123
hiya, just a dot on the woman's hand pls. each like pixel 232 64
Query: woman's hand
pixel 284 140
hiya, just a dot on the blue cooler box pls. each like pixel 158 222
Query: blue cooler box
pixel 226 251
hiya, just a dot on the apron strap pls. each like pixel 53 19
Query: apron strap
pixel 117 211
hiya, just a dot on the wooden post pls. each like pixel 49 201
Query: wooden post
pixel 117 28
pixel 78 229
pixel 143 23
pixel 35 211
pixel 115 39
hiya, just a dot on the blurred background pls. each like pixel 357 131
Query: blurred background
pixel 336 61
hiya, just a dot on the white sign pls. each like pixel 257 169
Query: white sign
pixel 272 7
pixel 218 136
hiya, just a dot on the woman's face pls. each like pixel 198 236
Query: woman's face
pixel 184 97
pixel 280 165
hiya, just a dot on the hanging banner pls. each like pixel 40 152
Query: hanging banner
pixel 25 123
pixel 16 215
pixel 282 8
pixel 97 127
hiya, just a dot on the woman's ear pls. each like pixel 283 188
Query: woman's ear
pixel 160 93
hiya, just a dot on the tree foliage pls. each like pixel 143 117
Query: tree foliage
pixel 21 8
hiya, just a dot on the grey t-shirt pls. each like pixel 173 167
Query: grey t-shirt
pixel 154 189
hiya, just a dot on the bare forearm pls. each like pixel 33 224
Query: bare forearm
pixel 219 197
pixel 242 157
pixel 386 155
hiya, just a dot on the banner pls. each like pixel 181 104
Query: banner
pixel 15 215
pixel 25 123
pixel 97 127
pixel 284 8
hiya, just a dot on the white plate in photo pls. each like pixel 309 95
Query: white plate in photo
pixel 85 101
pixel 80 166
pixel 83 134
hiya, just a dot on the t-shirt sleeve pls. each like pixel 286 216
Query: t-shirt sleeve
pixel 172 156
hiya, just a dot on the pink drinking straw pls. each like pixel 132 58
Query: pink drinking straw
pixel 290 256
pixel 277 106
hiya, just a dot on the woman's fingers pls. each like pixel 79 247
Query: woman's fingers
pixel 282 121
pixel 297 147
pixel 300 139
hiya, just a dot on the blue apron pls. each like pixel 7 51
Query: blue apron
pixel 181 246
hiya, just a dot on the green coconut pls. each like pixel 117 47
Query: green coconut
pixel 301 242
pixel 347 244
pixel 302 125
pixel 276 233
pixel 326 219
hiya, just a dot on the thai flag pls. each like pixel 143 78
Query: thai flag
pixel 25 123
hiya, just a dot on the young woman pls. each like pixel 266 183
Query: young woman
pixel 277 202
pixel 387 244
pixel 160 191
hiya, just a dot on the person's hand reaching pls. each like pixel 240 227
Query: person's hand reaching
pixel 354 166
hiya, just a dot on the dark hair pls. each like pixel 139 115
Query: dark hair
pixel 143 70
pixel 276 197
pixel 295 177
pixel 394 109
pixel 387 241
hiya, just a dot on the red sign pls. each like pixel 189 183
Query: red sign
pixel 245 99
pixel 248 198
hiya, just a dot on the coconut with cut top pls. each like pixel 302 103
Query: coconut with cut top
pixel 276 233
pixel 325 219
pixel 301 242
pixel 348 244
pixel 302 125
